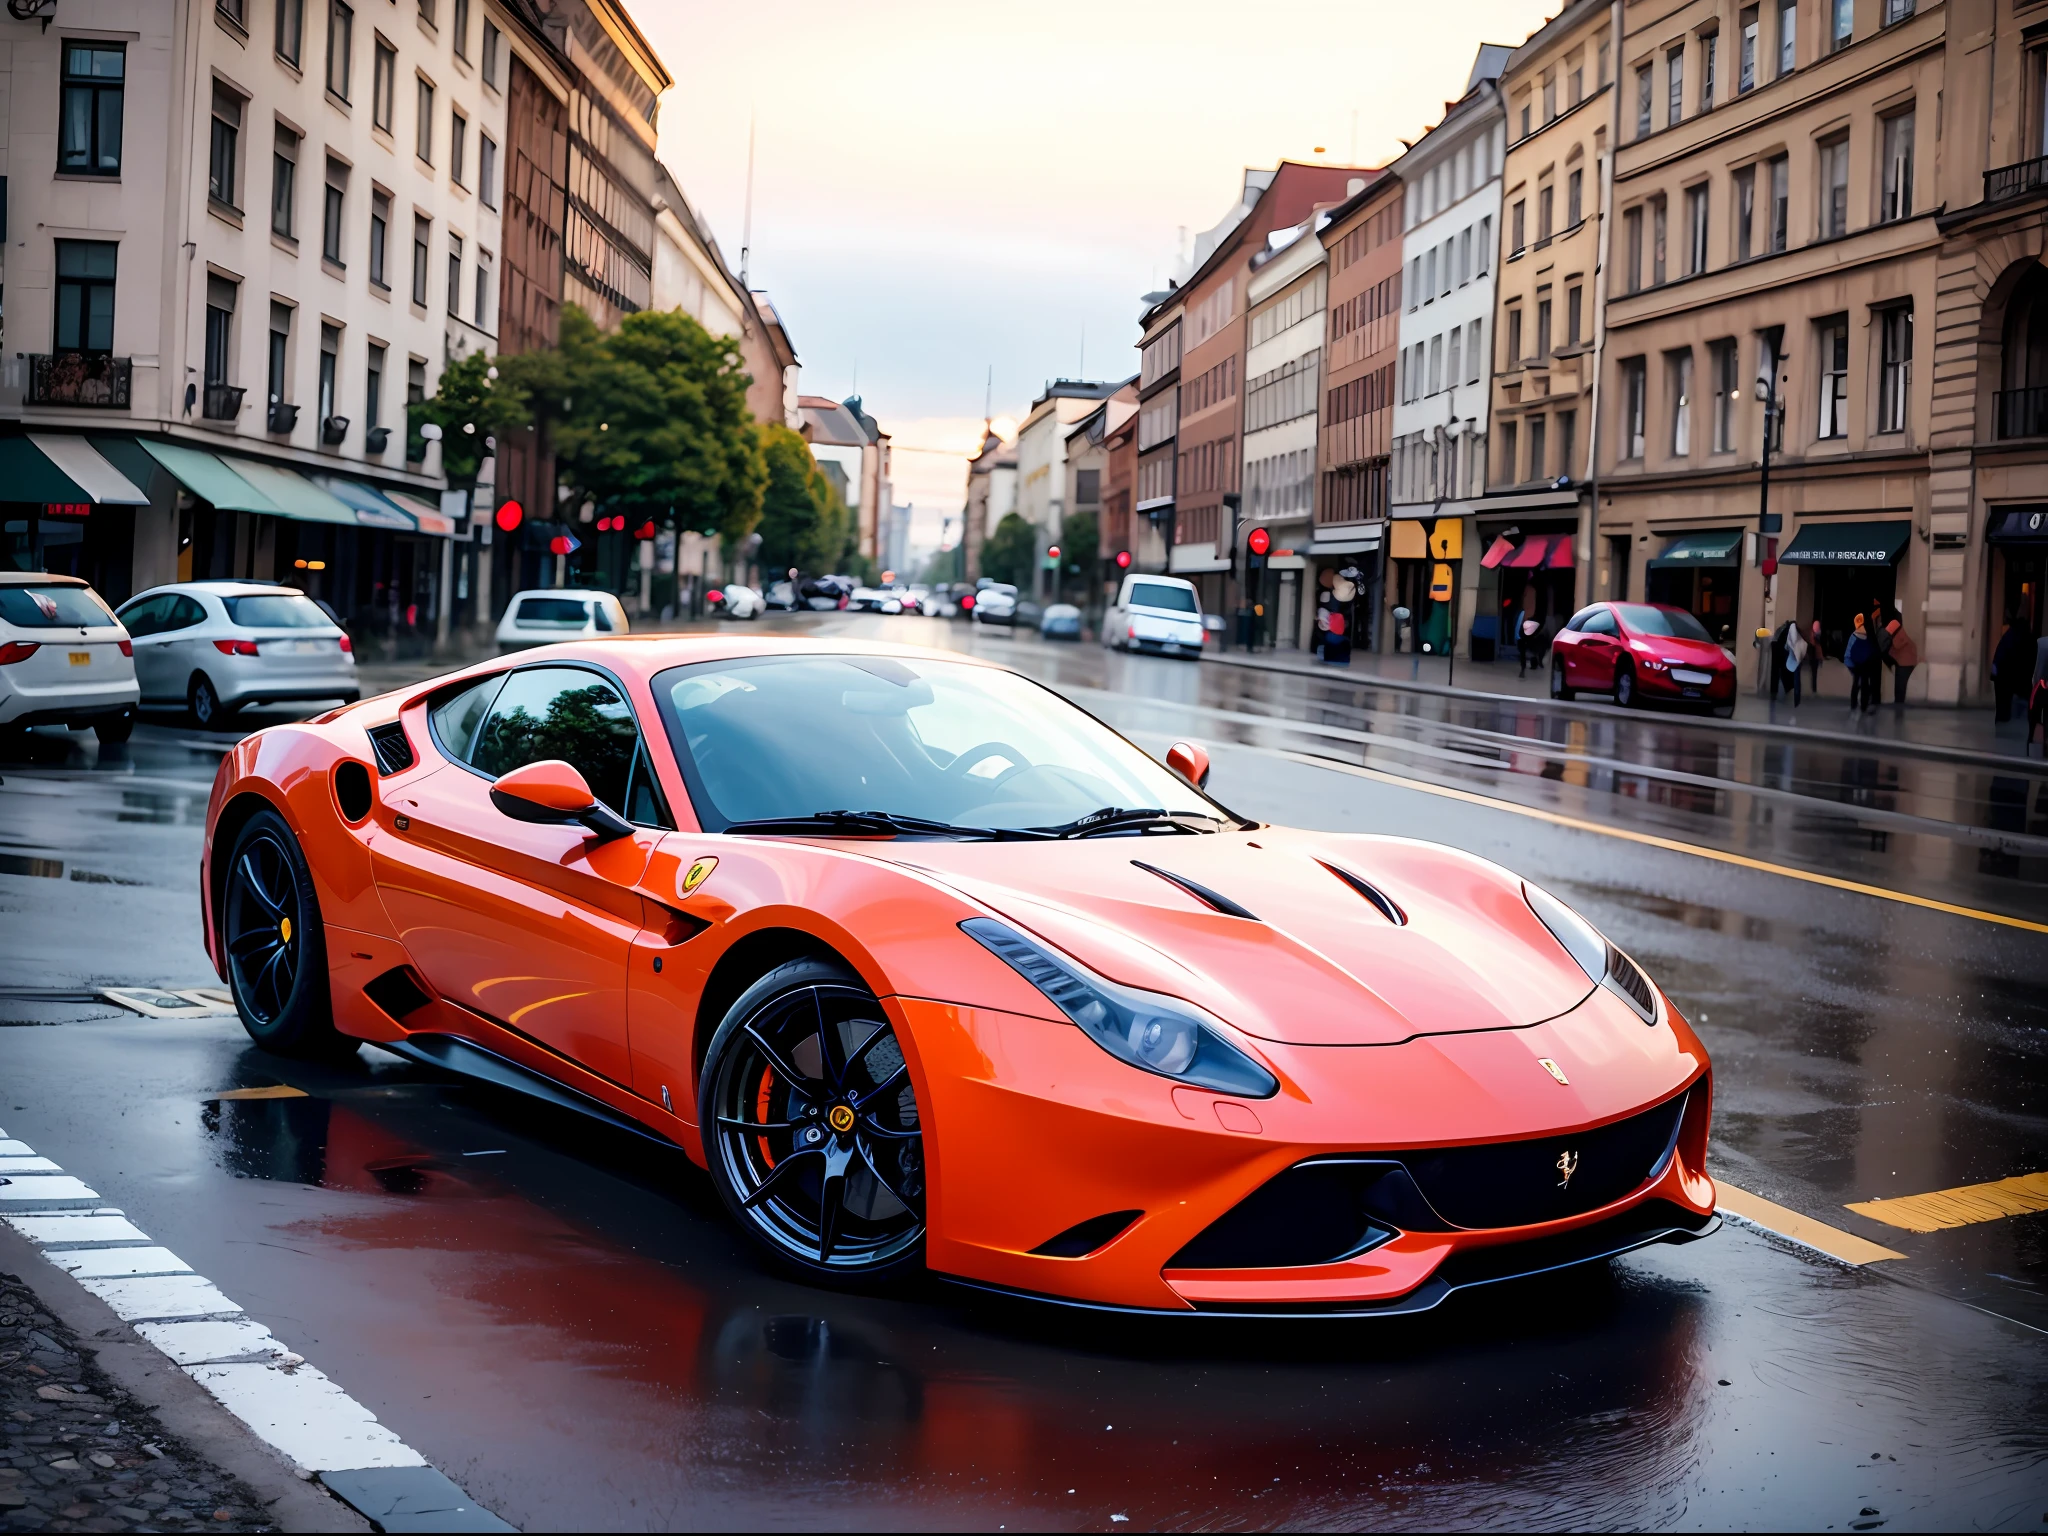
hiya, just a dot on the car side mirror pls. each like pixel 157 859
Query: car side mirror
pixel 1191 762
pixel 553 794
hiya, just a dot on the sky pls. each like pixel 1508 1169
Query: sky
pixel 954 203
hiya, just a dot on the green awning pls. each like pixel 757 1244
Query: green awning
pixel 292 493
pixel 28 474
pixel 1714 549
pixel 1848 544
pixel 371 509
pixel 205 476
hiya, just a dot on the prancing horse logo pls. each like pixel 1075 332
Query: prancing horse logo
pixel 1567 1165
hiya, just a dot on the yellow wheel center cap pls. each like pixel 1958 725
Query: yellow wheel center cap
pixel 840 1118
pixel 284 930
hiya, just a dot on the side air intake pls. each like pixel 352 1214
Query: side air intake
pixel 393 749
pixel 1084 1237
pixel 397 992
pixel 1370 892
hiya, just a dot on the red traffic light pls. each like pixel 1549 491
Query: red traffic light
pixel 559 544
pixel 1053 553
pixel 1259 541
pixel 1123 559
pixel 510 516
pixel 644 531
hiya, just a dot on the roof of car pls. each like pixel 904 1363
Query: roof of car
pixel 231 588
pixel 569 592
pixel 38 579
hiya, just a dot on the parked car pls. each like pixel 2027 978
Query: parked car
pixel 734 601
pixel 1639 652
pixel 876 600
pixel 995 603
pixel 544 617
pixel 941 602
pixel 781 596
pixel 1162 614
pixel 219 646
pixel 1060 621
pixel 914 597
pixel 824 593
pixel 64 659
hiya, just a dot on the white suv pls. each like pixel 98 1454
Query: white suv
pixel 215 646
pixel 1156 613
pixel 64 659
pixel 560 613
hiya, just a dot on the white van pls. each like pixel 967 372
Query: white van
pixel 1162 614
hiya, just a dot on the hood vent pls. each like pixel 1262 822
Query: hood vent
pixel 394 751
pixel 1370 892
pixel 1212 899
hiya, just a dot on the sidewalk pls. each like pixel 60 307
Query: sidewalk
pixel 1934 729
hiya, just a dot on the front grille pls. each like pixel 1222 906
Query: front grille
pixel 394 751
pixel 1313 1213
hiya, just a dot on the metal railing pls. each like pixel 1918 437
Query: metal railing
pixel 283 416
pixel 222 402
pixel 2021 412
pixel 2015 180
pixel 79 378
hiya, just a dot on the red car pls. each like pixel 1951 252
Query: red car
pixel 1639 652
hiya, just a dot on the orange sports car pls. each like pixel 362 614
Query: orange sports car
pixel 928 967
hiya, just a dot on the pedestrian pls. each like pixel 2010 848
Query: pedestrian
pixel 2037 698
pixel 1795 657
pixel 1860 657
pixel 1904 655
pixel 1815 654
pixel 2009 678
pixel 1526 645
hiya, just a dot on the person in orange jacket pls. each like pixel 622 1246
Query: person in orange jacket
pixel 1903 657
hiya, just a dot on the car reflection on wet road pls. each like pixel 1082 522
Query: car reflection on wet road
pixel 560 1317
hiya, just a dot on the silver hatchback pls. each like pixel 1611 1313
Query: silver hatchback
pixel 216 646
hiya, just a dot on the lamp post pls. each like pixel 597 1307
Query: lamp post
pixel 1767 521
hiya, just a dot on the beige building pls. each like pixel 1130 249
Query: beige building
pixel 1558 90
pixel 1776 179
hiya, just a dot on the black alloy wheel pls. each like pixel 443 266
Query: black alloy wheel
pixel 1625 687
pixel 275 946
pixel 1558 690
pixel 811 1126
pixel 204 703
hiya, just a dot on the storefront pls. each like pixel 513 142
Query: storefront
pixel 1342 580
pixel 1844 569
pixel 68 511
pixel 1701 573
pixel 1529 571
pixel 2018 541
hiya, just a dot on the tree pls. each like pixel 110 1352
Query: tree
pixel 802 522
pixel 1079 537
pixel 473 403
pixel 1008 552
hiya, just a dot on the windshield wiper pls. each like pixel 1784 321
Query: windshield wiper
pixel 1114 818
pixel 872 824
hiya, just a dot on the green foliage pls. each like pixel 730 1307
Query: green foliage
pixel 1079 545
pixel 474 401
pixel 1008 552
pixel 803 522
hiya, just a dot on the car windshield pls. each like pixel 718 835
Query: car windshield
pixel 276 610
pixel 552 613
pixel 1673 622
pixel 53 607
pixel 775 737
pixel 1157 594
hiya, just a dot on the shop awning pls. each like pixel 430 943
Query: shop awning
pixel 206 477
pixel 1406 540
pixel 1562 555
pixel 28 473
pixel 1848 544
pixel 2020 525
pixel 1712 550
pixel 372 509
pixel 101 481
pixel 430 517
pixel 1496 552
pixel 295 496
pixel 1535 552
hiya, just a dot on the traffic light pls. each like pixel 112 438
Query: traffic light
pixel 1123 559
pixel 510 516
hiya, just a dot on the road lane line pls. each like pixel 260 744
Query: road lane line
pixel 1650 840
pixel 1772 1217
pixel 292 1406
pixel 1962 1206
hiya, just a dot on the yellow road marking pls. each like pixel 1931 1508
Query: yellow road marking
pixel 1832 1241
pixel 1960 1207
pixel 1671 844
pixel 277 1091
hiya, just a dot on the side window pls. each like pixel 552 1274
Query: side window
pixel 455 719
pixel 185 612
pixel 1601 623
pixel 580 718
pixel 145 617
pixel 601 612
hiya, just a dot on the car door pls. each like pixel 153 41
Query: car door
pixel 531 926
pixel 1598 648
pixel 145 621
pixel 173 652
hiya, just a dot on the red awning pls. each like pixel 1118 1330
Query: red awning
pixel 1498 551
pixel 1531 554
pixel 1561 553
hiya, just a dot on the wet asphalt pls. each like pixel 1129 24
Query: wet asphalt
pixel 562 1320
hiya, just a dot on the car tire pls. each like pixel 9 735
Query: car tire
pixel 1625 687
pixel 202 702
pixel 114 729
pixel 1558 690
pixel 836 1132
pixel 276 946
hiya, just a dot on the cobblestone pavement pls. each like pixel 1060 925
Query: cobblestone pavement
pixel 78 1454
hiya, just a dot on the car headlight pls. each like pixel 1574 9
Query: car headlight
pixel 1601 961
pixel 1151 1032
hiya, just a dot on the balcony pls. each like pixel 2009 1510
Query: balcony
pixel 2021 412
pixel 376 440
pixel 2015 180
pixel 79 378
pixel 334 431
pixel 222 402
pixel 283 417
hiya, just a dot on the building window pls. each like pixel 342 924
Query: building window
pixel 1436 365
pixel 1674 87
pixel 1414 283
pixel 459 24
pixel 1632 248
pixel 1539 458
pixel 1510 454
pixel 1895 366
pixel 85 295
pixel 415 392
pixel 1514 358
pixel 1546 202
pixel 422 229
pixel 383 85
pixel 1473 353
pixel 1834 188
pixel 1549 97
pixel 493 41
pixel 1635 403
pixel 291 30
pixel 220 333
pixel 1574 315
pixel 1832 348
pixel 1710 60
pixel 1603 61
pixel 425 145
pixel 231 9
pixel 89 120
pixel 455 276
pixel 1745 213
pixel 330 223
pixel 1657 239
pixel 1457 335
pixel 1643 96
pixel 373 388
pixel 1567 440
pixel 1745 77
pixel 1696 230
pixel 1788 36
pixel 1543 324
pixel 284 184
pixel 1844 28
pixel 1896 11
pixel 427 9
pixel 482 314
pixel 1483 250
pixel 330 358
pixel 380 235
pixel 1781 203
pixel 1577 86
pixel 487 170
pixel 458 146
pixel 341 42
pixel 226 146
pixel 279 379
pixel 1517 222
pixel 1896 200
pixel 1575 199
pixel 1525 120
pixel 1681 403
pixel 1726 392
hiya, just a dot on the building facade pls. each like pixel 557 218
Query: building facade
pixel 1093 445
pixel 1042 461
pixel 991 497
pixel 1288 295
pixel 1158 433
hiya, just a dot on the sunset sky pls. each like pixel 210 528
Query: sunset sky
pixel 944 189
